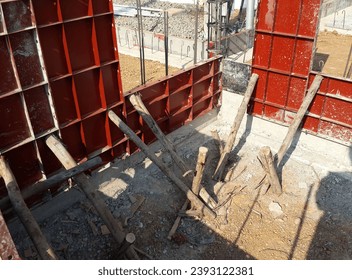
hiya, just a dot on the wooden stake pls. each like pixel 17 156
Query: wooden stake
pixel 196 188
pixel 266 158
pixel 298 118
pixel 219 172
pixel 53 180
pixel 129 239
pixel 144 148
pixel 216 137
pixel 44 249
pixel 202 155
pixel 90 191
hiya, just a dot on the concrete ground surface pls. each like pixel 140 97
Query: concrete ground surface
pixel 310 220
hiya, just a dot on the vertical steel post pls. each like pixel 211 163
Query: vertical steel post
pixel 141 41
pixel 166 41
pixel 196 34
pixel 250 15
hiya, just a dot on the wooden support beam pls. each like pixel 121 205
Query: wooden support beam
pixel 43 186
pixel 267 161
pixel 129 239
pixel 215 135
pixel 219 172
pixel 91 192
pixel 138 104
pixel 298 118
pixel 144 148
pixel 44 249
pixel 196 188
pixel 202 156
pixel 177 221
pixel 270 176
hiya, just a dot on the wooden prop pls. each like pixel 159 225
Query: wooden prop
pixel 188 172
pixel 202 155
pixel 43 186
pixel 219 172
pixel 196 187
pixel 144 148
pixel 90 191
pixel 129 239
pixel 267 161
pixel 215 135
pixel 298 118
pixel 44 249
pixel 143 111
pixel 271 178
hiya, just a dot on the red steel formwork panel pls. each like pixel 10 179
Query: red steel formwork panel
pixel 330 113
pixel 177 99
pixel 283 52
pixel 283 48
pixel 60 74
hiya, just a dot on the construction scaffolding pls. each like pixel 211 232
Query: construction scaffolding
pixel 217 22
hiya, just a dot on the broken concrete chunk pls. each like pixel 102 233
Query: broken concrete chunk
pixel 275 209
pixel 104 230
pixel 93 227
pixel 132 198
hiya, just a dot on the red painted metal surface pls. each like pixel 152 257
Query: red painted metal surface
pixel 8 249
pixel 283 51
pixel 178 99
pixel 60 74
pixel 331 111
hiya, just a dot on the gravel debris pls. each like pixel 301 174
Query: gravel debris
pixel 180 25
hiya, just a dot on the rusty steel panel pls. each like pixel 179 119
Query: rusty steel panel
pixel 8 249
pixel 283 49
pixel 177 99
pixel 60 74
pixel 330 113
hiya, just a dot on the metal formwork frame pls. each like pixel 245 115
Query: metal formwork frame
pixel 61 74
pixel 283 54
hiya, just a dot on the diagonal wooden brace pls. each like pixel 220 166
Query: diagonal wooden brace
pixel 224 157
pixel 91 192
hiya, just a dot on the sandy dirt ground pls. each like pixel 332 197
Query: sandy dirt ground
pixel 130 71
pixel 332 53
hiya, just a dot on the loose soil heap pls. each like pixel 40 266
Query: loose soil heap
pixel 180 25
